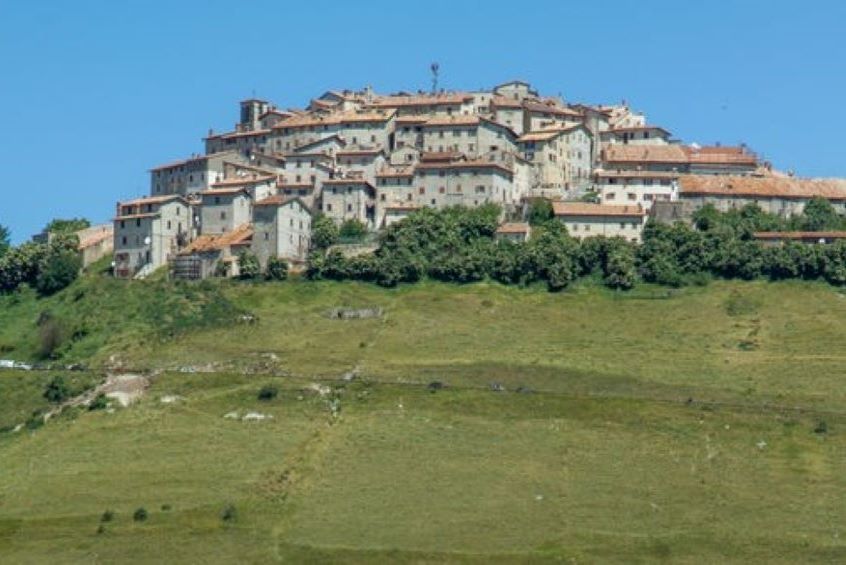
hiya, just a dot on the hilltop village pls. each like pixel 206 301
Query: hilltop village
pixel 377 158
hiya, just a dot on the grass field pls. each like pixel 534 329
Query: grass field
pixel 652 426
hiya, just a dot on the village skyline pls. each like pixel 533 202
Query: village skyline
pixel 125 102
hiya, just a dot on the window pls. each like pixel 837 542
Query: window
pixel 610 196
pixel 168 224
pixel 217 199
pixel 480 189
pixel 137 222
pixel 349 207
pixel 587 227
pixel 122 224
pixel 622 225
pixel 421 190
pixel 292 222
pixel 123 240
pixel 433 202
pixel 442 189
pixel 223 215
pixel 266 236
pixel 409 197
pixel 632 196
pixel 382 197
pixel 328 207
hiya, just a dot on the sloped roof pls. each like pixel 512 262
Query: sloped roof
pixel 514 227
pixel 765 187
pixel 589 209
pixel 644 154
pixel 239 236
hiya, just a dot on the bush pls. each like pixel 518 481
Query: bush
pixel 268 392
pixel 324 232
pixel 100 402
pixel 277 269
pixel 229 513
pixel 59 268
pixel 352 229
pixel 540 212
pixel 140 515
pixel 107 516
pixel 249 267
pixel 51 336
pixel 57 390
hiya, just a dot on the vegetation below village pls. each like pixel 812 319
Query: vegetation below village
pixel 472 423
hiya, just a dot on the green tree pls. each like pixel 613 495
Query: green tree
pixel 540 212
pixel 353 230
pixel 5 238
pixel 59 269
pixel 619 270
pixel 248 266
pixel 61 225
pixel 324 232
pixel 277 269
pixel 820 215
pixel 57 390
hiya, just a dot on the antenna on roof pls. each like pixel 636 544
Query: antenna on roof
pixel 434 67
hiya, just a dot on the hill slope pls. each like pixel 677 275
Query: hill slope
pixel 589 426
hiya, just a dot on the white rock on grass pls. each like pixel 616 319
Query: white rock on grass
pixel 250 416
pixel 231 415
pixel 170 398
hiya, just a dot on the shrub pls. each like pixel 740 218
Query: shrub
pixel 540 212
pixel 57 390
pixel 248 266
pixel 35 420
pixel 51 336
pixel 100 402
pixel 59 269
pixel 352 229
pixel 107 516
pixel 324 232
pixel 268 392
pixel 229 513
pixel 140 514
pixel 277 269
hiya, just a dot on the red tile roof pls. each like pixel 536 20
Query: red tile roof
pixel 514 227
pixel 644 154
pixel 800 235
pixel 588 209
pixel 239 236
pixel 764 187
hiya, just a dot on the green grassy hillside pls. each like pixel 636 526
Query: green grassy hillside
pixel 588 426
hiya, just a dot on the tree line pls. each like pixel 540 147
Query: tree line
pixel 458 245
pixel 46 267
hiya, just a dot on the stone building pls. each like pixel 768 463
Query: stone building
pixel 148 232
pixel 782 195
pixel 282 228
pixel 588 220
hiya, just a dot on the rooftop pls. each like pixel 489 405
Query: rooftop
pixel 762 186
pixel 589 209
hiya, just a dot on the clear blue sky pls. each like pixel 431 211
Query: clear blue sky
pixel 92 94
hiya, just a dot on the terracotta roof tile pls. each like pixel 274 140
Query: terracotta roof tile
pixel 588 209
pixel 800 235
pixel 514 227
pixel 239 236
pixel 644 154
pixel 766 187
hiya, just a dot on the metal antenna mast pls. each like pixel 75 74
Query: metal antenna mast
pixel 434 68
